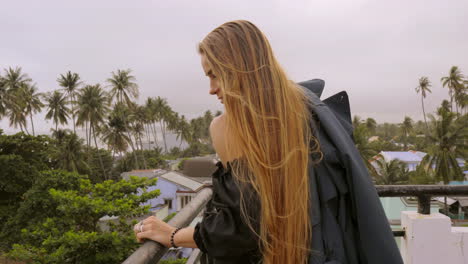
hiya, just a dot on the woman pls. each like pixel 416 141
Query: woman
pixel 271 193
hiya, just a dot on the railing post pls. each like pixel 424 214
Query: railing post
pixel 424 204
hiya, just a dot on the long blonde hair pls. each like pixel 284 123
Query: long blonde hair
pixel 268 121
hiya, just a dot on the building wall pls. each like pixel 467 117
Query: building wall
pixel 183 199
pixel 412 165
pixel 167 191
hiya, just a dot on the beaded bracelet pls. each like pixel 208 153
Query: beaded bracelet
pixel 172 236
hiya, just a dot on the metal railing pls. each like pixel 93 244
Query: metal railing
pixel 194 257
pixel 422 192
pixel 151 252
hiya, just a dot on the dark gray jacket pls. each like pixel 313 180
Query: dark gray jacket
pixel 349 223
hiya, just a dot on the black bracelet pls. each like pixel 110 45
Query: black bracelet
pixel 172 236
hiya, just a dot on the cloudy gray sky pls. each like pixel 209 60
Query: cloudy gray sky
pixel 375 50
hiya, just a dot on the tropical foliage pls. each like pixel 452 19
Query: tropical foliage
pixel 67 229
pixel 391 172
pixel 54 189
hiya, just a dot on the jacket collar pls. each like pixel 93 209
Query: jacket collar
pixel 338 103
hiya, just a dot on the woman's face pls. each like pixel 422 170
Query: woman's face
pixel 214 80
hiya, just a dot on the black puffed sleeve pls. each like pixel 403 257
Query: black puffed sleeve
pixel 223 233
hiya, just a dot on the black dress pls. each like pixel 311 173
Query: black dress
pixel 222 234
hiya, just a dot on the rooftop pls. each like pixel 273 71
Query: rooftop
pixel 405 156
pixel 182 180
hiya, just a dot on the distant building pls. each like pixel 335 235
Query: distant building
pixel 177 188
pixel 412 158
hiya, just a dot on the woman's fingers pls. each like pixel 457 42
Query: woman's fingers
pixel 144 235
pixel 154 229
pixel 136 228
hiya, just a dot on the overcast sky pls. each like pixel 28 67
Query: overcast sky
pixel 375 50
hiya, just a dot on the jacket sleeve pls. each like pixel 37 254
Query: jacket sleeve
pixel 223 233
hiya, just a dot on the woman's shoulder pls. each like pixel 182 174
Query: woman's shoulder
pixel 220 138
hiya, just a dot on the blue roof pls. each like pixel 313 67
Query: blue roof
pixel 406 156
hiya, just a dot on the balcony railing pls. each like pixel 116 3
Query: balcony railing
pixel 151 252
pixel 422 192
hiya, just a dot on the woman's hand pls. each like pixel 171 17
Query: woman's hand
pixel 154 229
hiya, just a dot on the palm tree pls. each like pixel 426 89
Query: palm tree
pixel 123 86
pixel 141 117
pixel 386 130
pixel 448 136
pixel 197 126
pixel 138 129
pixel 361 141
pixel 17 115
pixel 187 133
pixel 207 118
pixel 70 82
pixel 406 128
pixel 32 101
pixel 92 107
pixel 125 113
pixel 356 121
pixel 422 175
pixel 69 155
pixel 14 79
pixel 59 135
pixel 163 111
pixel 123 89
pixel 57 108
pixel 173 121
pixel 371 125
pixel 461 97
pixel 114 134
pixel 3 97
pixel 10 103
pixel 153 116
pixel 423 88
pixel 453 82
pixel 183 131
pixel 390 173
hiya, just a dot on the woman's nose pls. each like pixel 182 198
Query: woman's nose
pixel 213 90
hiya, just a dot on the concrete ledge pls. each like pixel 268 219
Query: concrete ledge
pixel 430 239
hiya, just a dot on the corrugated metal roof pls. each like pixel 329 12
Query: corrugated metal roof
pixel 142 173
pixel 182 180
pixel 462 200
pixel 441 199
pixel 148 174
pixel 201 179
